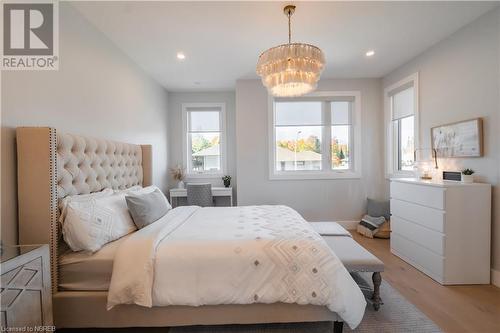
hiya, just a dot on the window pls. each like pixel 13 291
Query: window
pixel 341 134
pixel 204 139
pixel 298 135
pixel 315 136
pixel 402 107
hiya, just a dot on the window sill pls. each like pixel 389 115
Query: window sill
pixel 204 175
pixel 292 175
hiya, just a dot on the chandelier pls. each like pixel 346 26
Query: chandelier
pixel 291 69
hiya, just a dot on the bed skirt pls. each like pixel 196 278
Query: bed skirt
pixel 74 309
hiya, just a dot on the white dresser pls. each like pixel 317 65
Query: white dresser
pixel 443 229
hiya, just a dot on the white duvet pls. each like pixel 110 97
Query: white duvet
pixel 236 255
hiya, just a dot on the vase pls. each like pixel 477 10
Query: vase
pixel 227 183
pixel 180 184
pixel 467 178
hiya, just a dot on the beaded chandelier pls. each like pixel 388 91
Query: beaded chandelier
pixel 291 69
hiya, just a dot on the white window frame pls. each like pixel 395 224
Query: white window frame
pixel 326 173
pixel 186 150
pixel 392 158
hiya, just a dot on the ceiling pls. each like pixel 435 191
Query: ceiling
pixel 222 40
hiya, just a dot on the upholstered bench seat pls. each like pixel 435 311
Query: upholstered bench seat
pixel 357 259
pixel 354 257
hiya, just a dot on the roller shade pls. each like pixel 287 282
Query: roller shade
pixel 403 102
pixel 204 119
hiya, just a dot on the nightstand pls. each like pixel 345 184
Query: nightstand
pixel 26 298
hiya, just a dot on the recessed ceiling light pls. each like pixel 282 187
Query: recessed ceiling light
pixel 181 56
pixel 370 53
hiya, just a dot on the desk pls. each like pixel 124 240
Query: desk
pixel 216 192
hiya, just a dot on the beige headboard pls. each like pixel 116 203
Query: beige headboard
pixel 52 165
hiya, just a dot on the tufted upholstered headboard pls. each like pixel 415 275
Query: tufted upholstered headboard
pixel 53 165
pixel 86 165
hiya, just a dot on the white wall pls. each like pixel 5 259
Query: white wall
pixel 98 91
pixel 496 224
pixel 175 101
pixel 459 80
pixel 315 199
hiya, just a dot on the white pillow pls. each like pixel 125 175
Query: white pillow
pixel 92 223
pixel 151 189
pixel 63 205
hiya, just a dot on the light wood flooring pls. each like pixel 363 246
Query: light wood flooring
pixel 467 308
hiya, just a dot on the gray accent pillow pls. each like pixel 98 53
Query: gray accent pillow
pixel 146 208
pixel 379 208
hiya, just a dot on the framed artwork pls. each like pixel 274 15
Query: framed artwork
pixel 460 139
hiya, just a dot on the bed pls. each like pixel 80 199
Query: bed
pixel 54 165
pixel 99 266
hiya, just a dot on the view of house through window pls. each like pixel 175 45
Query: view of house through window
pixel 406 140
pixel 341 133
pixel 313 135
pixel 298 136
pixel 204 139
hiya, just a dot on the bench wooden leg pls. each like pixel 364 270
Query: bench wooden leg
pixel 377 281
pixel 338 326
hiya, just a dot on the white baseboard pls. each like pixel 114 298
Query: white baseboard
pixel 495 278
pixel 349 225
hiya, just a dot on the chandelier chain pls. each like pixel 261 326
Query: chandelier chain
pixel 292 69
pixel 289 27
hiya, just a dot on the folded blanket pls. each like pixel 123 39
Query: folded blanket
pixel 329 229
pixel 369 225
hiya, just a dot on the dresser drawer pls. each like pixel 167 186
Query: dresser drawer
pixel 431 240
pixel 418 256
pixel 429 196
pixel 428 217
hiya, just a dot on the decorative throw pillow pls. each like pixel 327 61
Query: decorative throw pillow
pixel 90 224
pixel 150 189
pixel 147 208
pixel 63 204
pixel 379 208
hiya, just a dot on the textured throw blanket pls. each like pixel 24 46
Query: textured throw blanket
pixel 236 255
pixel 370 225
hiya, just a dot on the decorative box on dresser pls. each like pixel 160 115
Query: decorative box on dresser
pixel 443 228
pixel 26 295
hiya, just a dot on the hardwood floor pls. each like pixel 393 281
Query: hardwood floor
pixel 469 308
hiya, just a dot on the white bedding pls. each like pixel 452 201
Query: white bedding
pixel 236 255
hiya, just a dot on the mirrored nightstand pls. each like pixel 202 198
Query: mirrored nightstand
pixel 26 298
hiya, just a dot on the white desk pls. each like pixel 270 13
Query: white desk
pixel 216 192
